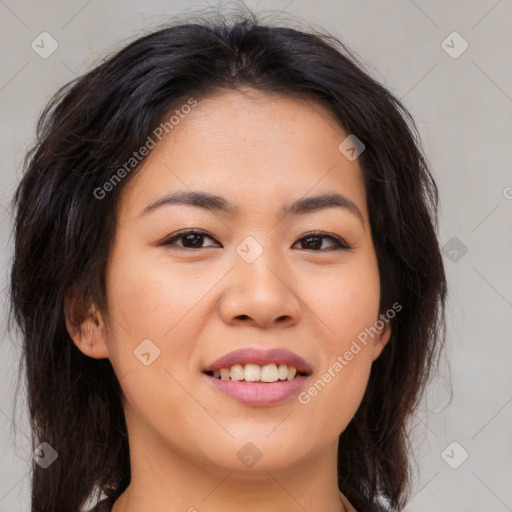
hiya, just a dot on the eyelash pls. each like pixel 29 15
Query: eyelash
pixel 339 244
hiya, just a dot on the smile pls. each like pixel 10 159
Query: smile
pixel 256 376
pixel 256 373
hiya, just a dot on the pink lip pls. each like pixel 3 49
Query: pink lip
pixel 259 393
pixel 260 357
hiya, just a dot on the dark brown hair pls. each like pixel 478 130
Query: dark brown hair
pixel 63 236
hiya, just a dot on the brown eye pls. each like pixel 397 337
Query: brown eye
pixel 314 241
pixel 194 239
pixel 190 239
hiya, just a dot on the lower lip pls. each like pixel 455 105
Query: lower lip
pixel 259 393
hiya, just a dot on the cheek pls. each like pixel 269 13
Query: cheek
pixel 151 310
pixel 347 301
pixel 347 305
pixel 338 387
pixel 147 302
pixel 152 296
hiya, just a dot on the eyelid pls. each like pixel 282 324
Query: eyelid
pixel 167 241
pixel 339 243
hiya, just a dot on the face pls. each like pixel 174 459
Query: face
pixel 190 283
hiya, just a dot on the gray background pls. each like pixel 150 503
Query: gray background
pixel 463 109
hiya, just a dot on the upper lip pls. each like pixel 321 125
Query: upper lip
pixel 260 357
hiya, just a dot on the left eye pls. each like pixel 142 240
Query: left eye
pixel 314 238
pixel 193 239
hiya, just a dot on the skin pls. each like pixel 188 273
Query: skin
pixel 259 151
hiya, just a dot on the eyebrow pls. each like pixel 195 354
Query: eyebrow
pixel 217 203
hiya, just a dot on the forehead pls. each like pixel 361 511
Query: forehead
pixel 252 147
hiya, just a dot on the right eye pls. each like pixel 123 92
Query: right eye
pixel 190 239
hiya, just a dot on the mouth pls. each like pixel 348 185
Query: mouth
pixel 259 377
pixel 255 373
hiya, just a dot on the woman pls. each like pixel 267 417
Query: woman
pixel 226 277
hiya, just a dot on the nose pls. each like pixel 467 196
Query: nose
pixel 260 293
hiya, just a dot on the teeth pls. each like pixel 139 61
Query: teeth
pixel 269 373
pixel 255 373
pixel 252 372
pixel 291 372
pixel 237 372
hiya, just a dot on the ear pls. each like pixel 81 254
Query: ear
pixel 381 339
pixel 86 328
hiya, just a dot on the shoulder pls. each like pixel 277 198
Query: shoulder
pixel 104 505
pixel 362 504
